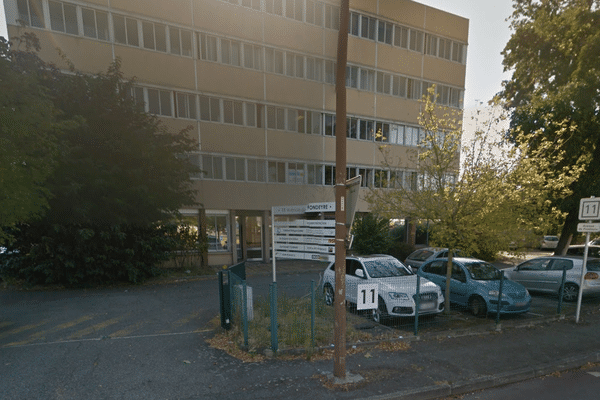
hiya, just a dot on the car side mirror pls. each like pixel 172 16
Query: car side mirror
pixel 360 273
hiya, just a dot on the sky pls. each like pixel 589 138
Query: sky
pixel 488 34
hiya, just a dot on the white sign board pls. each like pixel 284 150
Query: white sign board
pixel 589 209
pixel 583 227
pixel 367 296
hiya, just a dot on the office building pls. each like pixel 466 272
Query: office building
pixel 255 79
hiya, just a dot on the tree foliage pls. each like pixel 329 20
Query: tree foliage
pixel 554 97
pixel 28 142
pixel 494 198
pixel 371 234
pixel 118 177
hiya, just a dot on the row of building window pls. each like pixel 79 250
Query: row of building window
pixel 65 17
pixel 231 168
pixel 294 65
pixel 255 115
pixel 363 26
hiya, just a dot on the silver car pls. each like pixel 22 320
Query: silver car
pixel 544 274
pixel 421 256
pixel 396 286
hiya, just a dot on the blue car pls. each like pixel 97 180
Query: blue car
pixel 475 285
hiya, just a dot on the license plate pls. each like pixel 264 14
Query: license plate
pixel 522 304
pixel 427 306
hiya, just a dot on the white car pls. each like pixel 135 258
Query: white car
pixel 549 242
pixel 397 287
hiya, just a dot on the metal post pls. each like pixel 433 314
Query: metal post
pixel 499 297
pixel 562 289
pixel 245 312
pixel 583 271
pixel 273 290
pixel 312 313
pixel 339 328
pixel 417 304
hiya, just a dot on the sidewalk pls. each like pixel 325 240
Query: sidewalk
pixel 438 364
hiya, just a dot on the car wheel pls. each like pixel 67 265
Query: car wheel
pixel 328 294
pixel 570 292
pixel 478 307
pixel 380 314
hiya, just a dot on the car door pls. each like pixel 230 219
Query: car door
pixel 555 272
pixel 532 273
pixel 459 287
pixel 352 280
pixel 436 273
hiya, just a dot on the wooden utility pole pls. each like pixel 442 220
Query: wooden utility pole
pixel 339 331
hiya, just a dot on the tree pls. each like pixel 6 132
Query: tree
pixel 493 199
pixel 371 234
pixel 120 176
pixel 28 142
pixel 554 97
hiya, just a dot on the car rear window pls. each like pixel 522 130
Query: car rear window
pixel 421 255
pixel 593 265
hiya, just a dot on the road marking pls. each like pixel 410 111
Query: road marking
pixel 596 374
pixel 196 331
pixel 182 321
pixel 127 330
pixel 97 327
pixel 41 334
pixel 23 328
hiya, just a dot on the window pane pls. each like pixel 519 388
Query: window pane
pixel 102 25
pixel 132 32
pixel 23 9
pixel 165 103
pixel 250 114
pixel 36 13
pixel 289 64
pixel 148 32
pixel 230 169
pixel 215 110
pixel 174 40
pixel 56 16
pixel 186 43
pixel 280 119
pixel 248 56
pixel 299 66
pixel 238 114
pixel 71 19
pixel 89 23
pixel 271 118
pixel 291 120
pixel 153 102
pixel 236 53
pixel 228 111
pixel 160 33
pixel 204 108
pixel 119 29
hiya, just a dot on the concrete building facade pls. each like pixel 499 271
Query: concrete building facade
pixel 255 81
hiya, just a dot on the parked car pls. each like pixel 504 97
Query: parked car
pixel 475 284
pixel 396 285
pixel 544 274
pixel 578 249
pixel 419 257
pixel 594 242
pixel 549 242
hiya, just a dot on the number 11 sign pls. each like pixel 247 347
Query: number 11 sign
pixel 589 209
pixel 367 296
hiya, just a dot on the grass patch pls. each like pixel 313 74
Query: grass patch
pixel 294 329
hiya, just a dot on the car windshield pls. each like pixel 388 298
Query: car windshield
pixel 385 268
pixel 481 271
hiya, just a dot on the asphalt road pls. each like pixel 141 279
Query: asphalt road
pixel 142 342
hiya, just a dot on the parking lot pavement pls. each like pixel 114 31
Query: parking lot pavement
pixel 149 342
